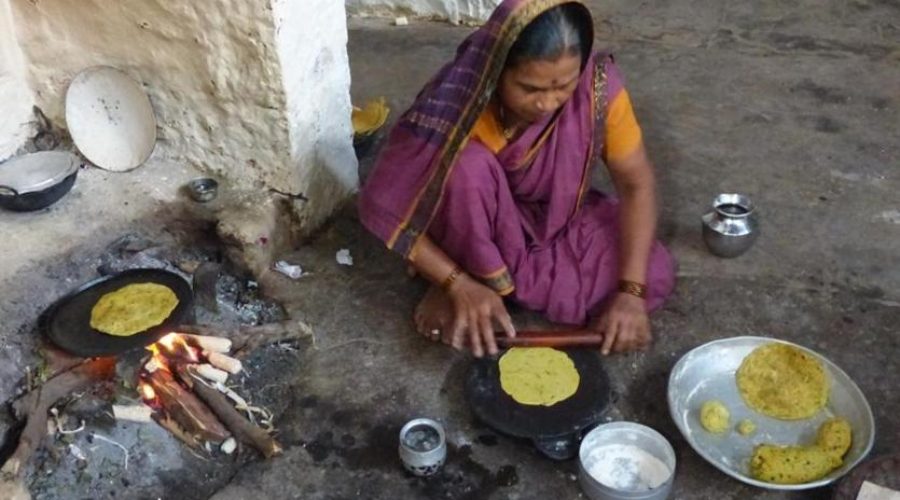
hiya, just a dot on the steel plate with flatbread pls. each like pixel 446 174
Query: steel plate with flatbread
pixel 571 416
pixel 67 323
pixel 708 372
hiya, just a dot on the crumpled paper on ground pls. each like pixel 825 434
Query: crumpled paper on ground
pixel 871 491
pixel 343 257
pixel 292 271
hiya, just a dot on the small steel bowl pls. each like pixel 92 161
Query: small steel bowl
pixel 423 456
pixel 203 189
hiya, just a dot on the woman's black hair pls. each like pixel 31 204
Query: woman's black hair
pixel 564 29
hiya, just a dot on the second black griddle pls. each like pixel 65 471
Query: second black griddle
pixel 556 430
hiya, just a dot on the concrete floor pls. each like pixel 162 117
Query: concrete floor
pixel 796 105
pixel 792 105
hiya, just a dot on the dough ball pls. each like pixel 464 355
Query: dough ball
pixel 714 417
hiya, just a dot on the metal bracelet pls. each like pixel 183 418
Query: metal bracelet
pixel 633 288
pixel 454 274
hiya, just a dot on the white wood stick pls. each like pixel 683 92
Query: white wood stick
pixel 208 343
pixel 209 372
pixel 224 362
pixel 228 446
pixel 133 413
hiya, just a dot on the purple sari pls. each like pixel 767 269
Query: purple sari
pixel 524 220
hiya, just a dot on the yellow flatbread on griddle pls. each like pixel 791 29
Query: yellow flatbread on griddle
pixel 538 375
pixel 133 309
pixel 783 382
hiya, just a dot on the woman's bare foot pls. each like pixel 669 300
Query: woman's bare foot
pixel 434 314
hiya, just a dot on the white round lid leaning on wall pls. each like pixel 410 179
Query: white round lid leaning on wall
pixel 110 119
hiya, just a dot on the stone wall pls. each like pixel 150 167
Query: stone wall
pixel 15 97
pixel 455 11
pixel 256 93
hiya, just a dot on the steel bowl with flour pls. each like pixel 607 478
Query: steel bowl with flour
pixel 708 373
pixel 625 461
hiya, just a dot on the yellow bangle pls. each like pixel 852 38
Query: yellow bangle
pixel 633 288
pixel 448 281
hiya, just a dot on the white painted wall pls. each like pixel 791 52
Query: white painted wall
pixel 255 92
pixel 15 96
pixel 311 41
pixel 456 11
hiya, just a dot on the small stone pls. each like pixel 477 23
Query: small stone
pixel 228 446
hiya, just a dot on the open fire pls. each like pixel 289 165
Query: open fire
pixel 183 382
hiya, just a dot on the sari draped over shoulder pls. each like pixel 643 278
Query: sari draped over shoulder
pixel 523 218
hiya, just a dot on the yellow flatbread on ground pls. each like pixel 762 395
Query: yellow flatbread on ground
pixel 133 309
pixel 783 382
pixel 538 375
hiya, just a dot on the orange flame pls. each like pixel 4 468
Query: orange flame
pixel 169 341
pixel 175 344
pixel 147 392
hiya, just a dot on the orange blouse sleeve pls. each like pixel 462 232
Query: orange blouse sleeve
pixel 623 134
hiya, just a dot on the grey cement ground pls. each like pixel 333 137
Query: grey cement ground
pixel 796 105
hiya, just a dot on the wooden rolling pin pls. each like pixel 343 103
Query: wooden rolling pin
pixel 562 338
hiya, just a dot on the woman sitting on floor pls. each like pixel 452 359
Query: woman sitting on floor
pixel 484 186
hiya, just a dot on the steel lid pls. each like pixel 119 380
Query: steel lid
pixel 110 119
pixel 37 171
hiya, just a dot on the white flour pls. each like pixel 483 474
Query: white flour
pixel 626 467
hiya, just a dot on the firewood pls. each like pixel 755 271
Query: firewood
pixel 152 365
pixel 170 425
pixel 208 343
pixel 246 338
pixel 184 407
pixel 56 360
pixel 13 489
pixel 223 362
pixel 242 428
pixel 133 413
pixel 33 406
pixel 211 373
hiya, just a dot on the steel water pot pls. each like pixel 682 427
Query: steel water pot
pixel 732 225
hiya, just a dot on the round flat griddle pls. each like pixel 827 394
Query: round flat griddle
pixel 570 417
pixel 67 323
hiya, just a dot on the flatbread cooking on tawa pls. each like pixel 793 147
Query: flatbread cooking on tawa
pixel 783 382
pixel 538 375
pixel 133 309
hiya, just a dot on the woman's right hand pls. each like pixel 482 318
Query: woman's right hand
pixel 476 309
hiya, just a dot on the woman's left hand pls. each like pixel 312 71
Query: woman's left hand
pixel 624 325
